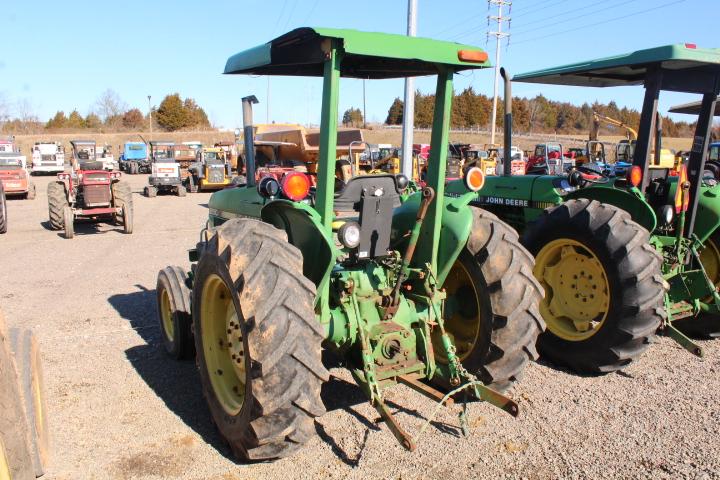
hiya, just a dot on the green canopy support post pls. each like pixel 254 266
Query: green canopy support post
pixel 428 251
pixel 328 136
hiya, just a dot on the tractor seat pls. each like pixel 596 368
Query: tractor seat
pixel 94 165
pixel 372 198
pixel 350 197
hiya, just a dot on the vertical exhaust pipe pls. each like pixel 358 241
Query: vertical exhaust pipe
pixel 247 110
pixel 507 130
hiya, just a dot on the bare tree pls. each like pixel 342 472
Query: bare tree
pixel 25 111
pixel 4 109
pixel 110 105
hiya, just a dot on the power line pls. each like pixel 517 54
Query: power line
pixel 525 12
pixel 602 9
pixel 532 5
pixel 567 12
pixel 621 17
pixel 280 16
pixel 456 24
pixel 310 12
pixel 292 10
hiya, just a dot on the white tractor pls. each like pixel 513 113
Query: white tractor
pixel 48 157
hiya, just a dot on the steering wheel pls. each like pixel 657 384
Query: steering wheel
pixel 591 171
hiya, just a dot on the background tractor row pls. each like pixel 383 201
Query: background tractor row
pixel 623 257
pixel 15 177
pixel 48 157
pixel 406 286
pixel 88 192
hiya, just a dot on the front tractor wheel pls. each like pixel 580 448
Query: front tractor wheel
pixel 173 301
pixel 257 340
pixel 603 285
pixel 492 311
pixel 122 197
pixel 68 222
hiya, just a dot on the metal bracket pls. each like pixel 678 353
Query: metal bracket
pixel 684 341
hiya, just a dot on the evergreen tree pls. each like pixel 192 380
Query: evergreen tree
pixel 395 112
pixel 58 121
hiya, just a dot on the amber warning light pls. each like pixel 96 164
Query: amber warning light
pixel 474 56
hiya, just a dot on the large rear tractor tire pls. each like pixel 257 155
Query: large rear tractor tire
pixel 706 325
pixel 57 201
pixel 14 434
pixel 603 286
pixel 3 211
pixel 68 222
pixel 492 311
pixel 258 341
pixel 174 313
pixel 180 190
pixel 32 388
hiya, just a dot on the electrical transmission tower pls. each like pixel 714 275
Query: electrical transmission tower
pixel 499 35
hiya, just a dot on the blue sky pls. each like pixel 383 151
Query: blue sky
pixel 65 54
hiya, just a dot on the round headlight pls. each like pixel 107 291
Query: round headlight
pixel 268 187
pixel 349 234
pixel 402 181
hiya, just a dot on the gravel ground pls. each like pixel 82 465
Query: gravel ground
pixel 119 408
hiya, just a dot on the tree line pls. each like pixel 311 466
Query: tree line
pixel 530 115
pixel 110 113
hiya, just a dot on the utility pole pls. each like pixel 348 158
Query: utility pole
pixel 267 102
pixel 409 105
pixel 499 35
pixel 150 114
pixel 364 110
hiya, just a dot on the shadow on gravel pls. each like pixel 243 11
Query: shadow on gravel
pixel 85 228
pixel 338 394
pixel 176 383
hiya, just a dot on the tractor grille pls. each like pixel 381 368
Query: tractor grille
pixel 47 159
pixel 216 175
pixel 96 195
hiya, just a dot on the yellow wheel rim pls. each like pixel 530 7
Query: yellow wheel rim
pixel 4 464
pixel 167 316
pixel 710 259
pixel 463 325
pixel 222 344
pixel 577 293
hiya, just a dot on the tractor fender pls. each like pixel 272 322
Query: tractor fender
pixel 454 231
pixel 629 201
pixel 304 229
pixel 707 219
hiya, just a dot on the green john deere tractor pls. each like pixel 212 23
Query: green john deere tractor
pixel 621 257
pixel 410 287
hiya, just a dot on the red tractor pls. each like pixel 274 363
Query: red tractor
pixel 89 192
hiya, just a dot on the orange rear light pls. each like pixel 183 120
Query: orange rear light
pixel 474 56
pixel 295 186
pixel 635 176
pixel 682 202
pixel 691 45
pixel 474 179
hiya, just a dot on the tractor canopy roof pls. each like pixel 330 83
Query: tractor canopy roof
pixel 632 68
pixel 692 108
pixel 302 52
pixel 82 142
pixel 163 143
